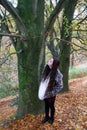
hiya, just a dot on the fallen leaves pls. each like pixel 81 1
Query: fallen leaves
pixel 71 111
pixel 6 111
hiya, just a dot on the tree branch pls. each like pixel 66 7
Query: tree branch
pixel 6 58
pixel 8 6
pixel 53 16
pixel 80 13
pixel 82 20
pixel 12 35
pixel 47 42
pixel 83 48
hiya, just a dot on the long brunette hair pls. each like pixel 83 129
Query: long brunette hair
pixel 52 72
pixel 45 72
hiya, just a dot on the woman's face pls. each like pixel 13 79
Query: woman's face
pixel 50 63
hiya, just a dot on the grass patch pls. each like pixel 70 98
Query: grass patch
pixel 77 72
pixel 4 91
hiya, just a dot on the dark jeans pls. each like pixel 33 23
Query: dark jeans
pixel 49 106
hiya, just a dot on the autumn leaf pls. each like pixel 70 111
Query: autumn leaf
pixel 71 111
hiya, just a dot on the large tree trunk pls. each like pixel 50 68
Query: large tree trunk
pixel 66 34
pixel 28 81
pixel 28 58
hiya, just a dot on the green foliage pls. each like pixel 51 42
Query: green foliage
pixel 74 25
pixel 7 89
pixel 4 92
pixel 77 72
pixel 67 26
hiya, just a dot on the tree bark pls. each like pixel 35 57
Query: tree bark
pixel 28 59
pixel 66 33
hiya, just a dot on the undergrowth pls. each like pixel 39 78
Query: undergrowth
pixel 77 72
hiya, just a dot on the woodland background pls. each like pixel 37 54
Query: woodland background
pixel 30 33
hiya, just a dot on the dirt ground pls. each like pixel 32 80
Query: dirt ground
pixel 78 89
pixel 6 111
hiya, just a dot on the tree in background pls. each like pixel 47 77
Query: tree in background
pixel 66 34
pixel 79 45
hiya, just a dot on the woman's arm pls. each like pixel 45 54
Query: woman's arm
pixel 57 87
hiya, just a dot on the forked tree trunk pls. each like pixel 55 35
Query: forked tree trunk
pixel 32 14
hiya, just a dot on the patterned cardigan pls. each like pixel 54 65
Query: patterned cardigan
pixel 43 94
pixel 56 88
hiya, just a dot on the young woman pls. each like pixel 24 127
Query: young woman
pixel 50 85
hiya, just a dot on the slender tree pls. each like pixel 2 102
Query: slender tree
pixel 65 45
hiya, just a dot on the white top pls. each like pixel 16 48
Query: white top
pixel 42 88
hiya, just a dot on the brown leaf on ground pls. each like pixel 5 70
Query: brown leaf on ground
pixel 71 111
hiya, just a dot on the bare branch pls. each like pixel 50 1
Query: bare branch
pixel 12 35
pixel 53 16
pixel 80 13
pixel 82 20
pixel 47 42
pixel 8 6
pixel 6 58
pixel 81 41
pixel 80 47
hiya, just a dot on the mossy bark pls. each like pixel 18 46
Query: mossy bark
pixel 28 82
pixel 65 45
pixel 32 14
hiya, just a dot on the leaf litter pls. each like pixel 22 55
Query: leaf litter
pixel 71 111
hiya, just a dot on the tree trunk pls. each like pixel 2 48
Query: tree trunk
pixel 28 58
pixel 66 33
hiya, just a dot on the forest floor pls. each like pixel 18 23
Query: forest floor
pixel 71 111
